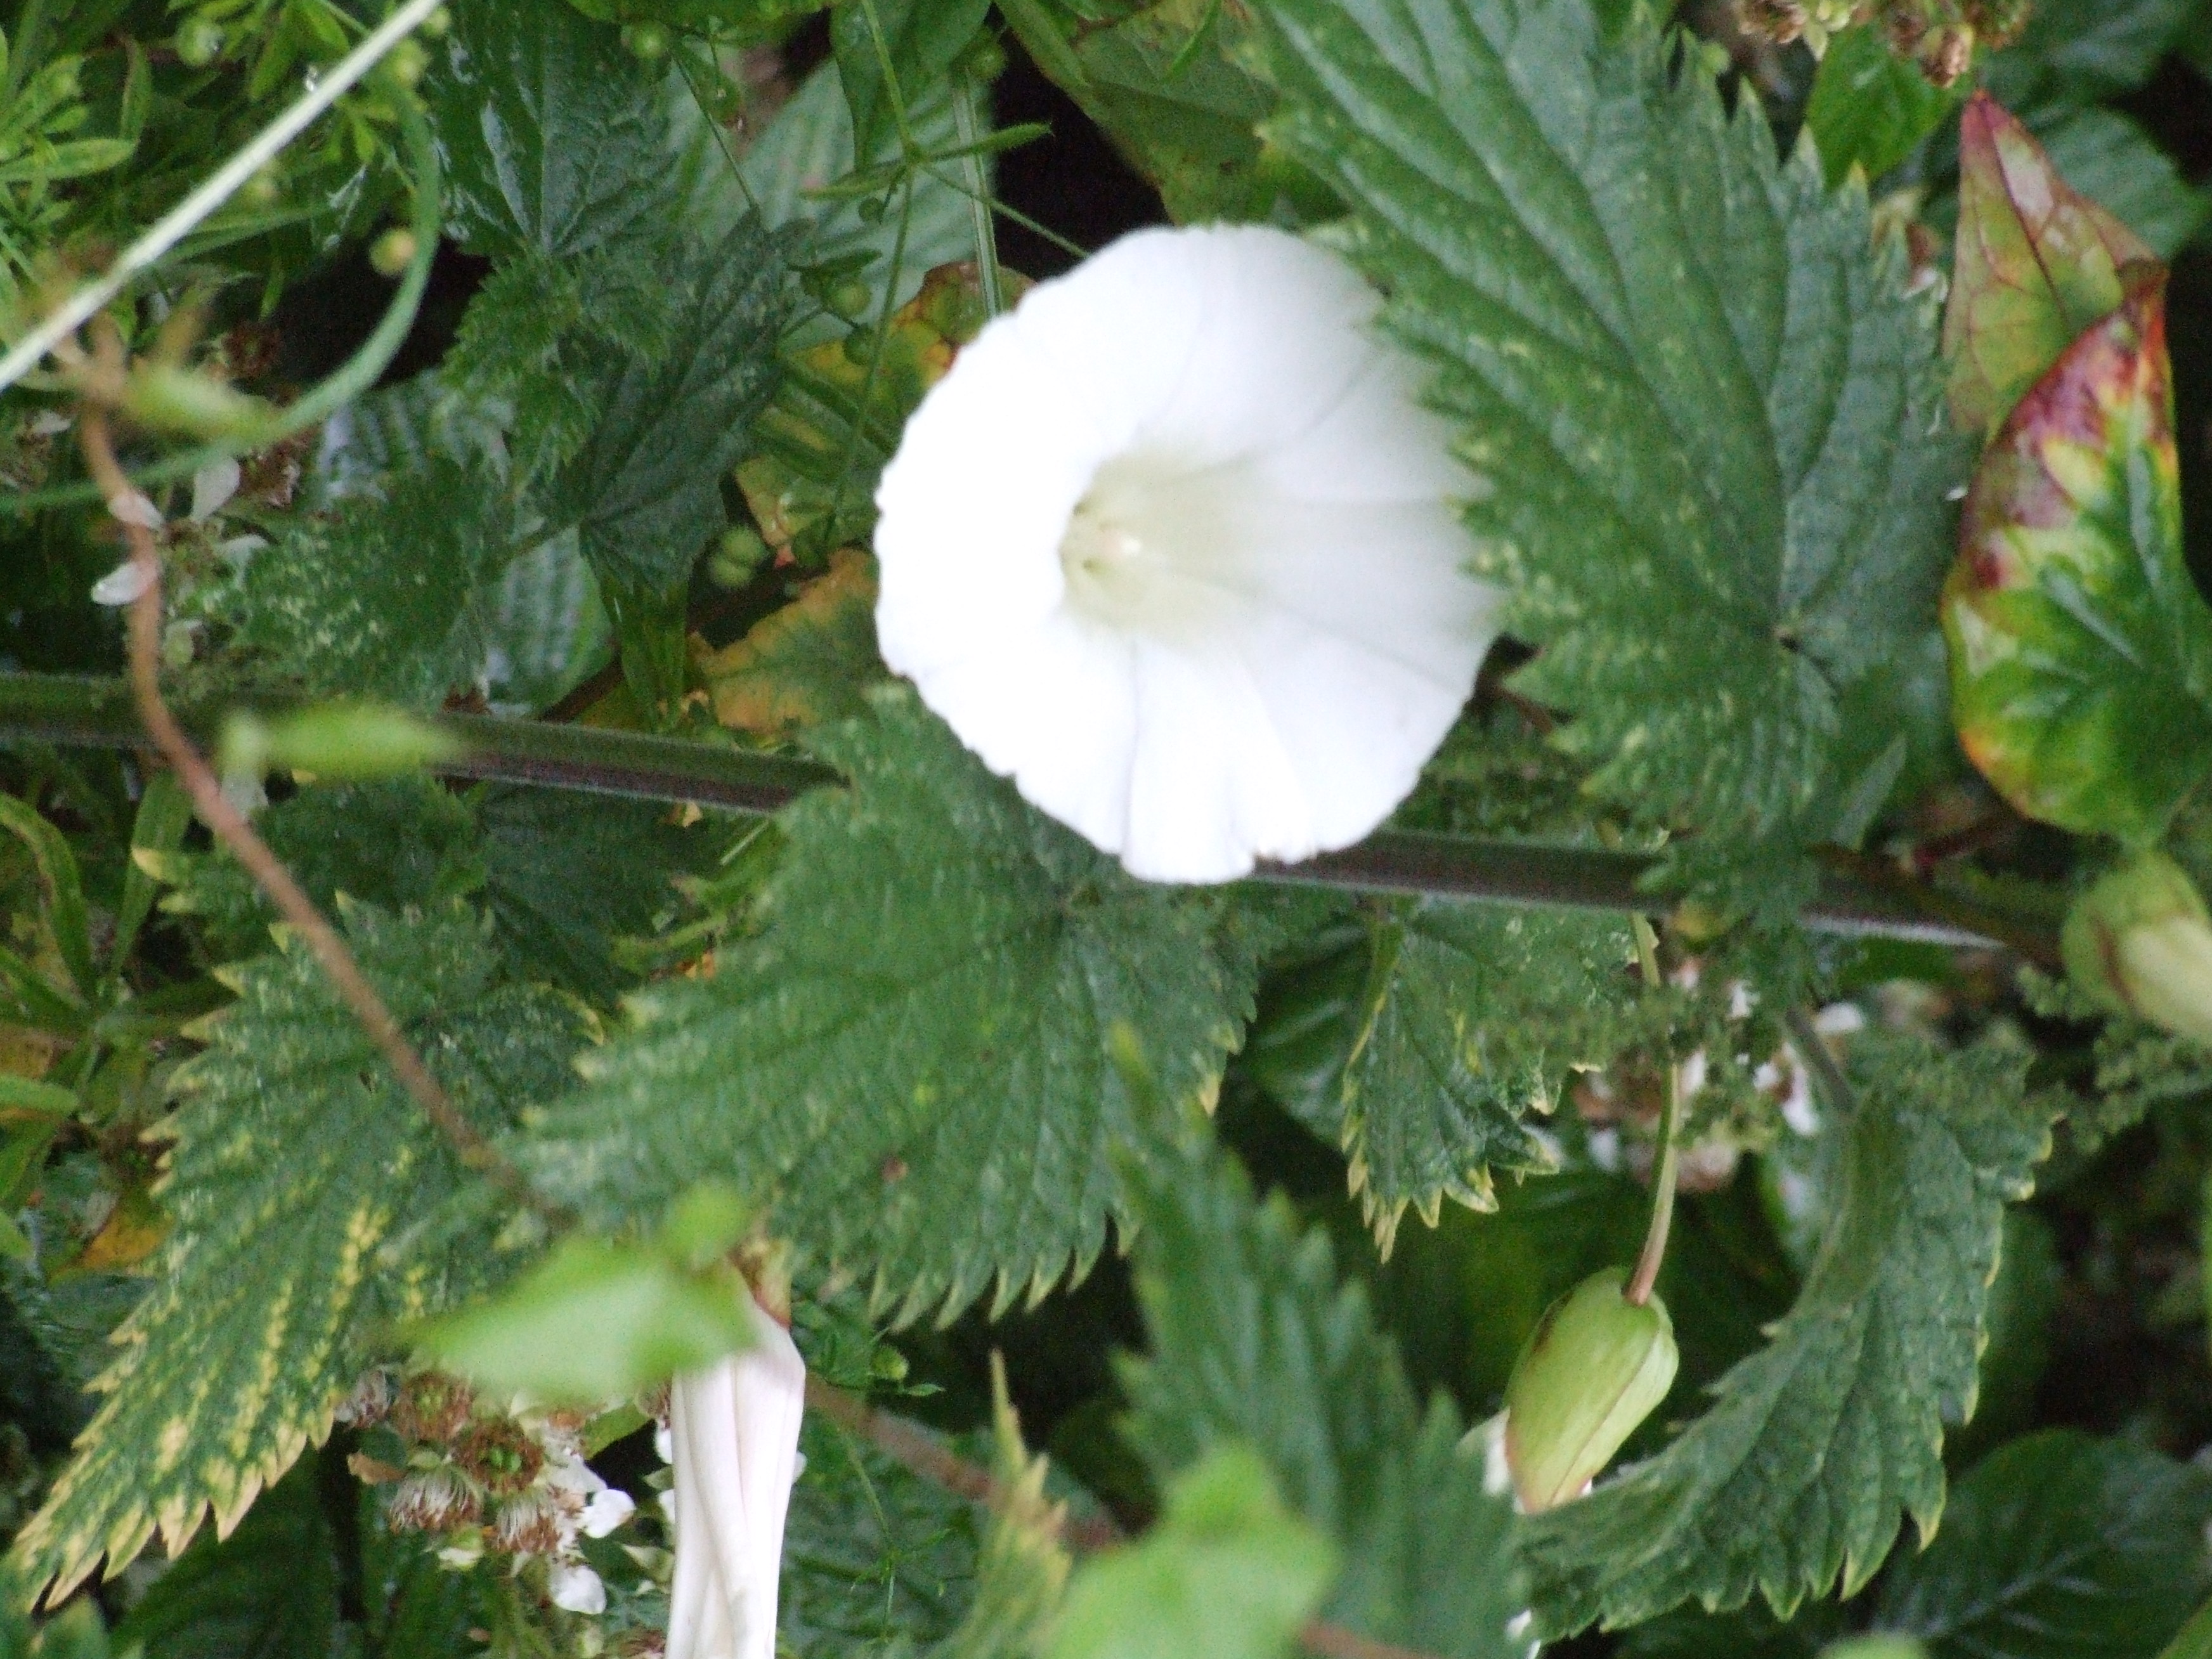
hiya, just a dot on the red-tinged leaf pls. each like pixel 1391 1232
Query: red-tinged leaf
pixel 2037 264
pixel 2081 652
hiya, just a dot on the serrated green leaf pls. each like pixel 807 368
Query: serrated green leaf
pixel 2058 1546
pixel 268 1591
pixel 1702 417
pixel 387 597
pixel 2081 650
pixel 1228 1572
pixel 297 1160
pixel 1022 1573
pixel 2077 51
pixel 1797 1477
pixel 1452 1059
pixel 551 133
pixel 1253 1338
pixel 645 490
pixel 911 1058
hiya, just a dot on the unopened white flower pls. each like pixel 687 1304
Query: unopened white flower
pixel 213 486
pixel 735 1429
pixel 576 1588
pixel 1172 546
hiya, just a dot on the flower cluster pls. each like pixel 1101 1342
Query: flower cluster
pixel 1939 36
pixel 486 1481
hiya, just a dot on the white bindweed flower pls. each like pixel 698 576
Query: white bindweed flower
pixel 1172 546
pixel 734 1429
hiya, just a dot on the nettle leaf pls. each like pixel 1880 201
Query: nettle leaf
pixel 1452 1056
pixel 297 1162
pixel 2037 263
pixel 1255 1340
pixel 645 490
pixel 2081 650
pixel 1703 415
pixel 1794 1480
pixel 2076 52
pixel 1023 1571
pixel 551 133
pixel 388 597
pixel 2059 1546
pixel 911 1058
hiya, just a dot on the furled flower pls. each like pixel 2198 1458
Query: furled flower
pixel 734 1431
pixel 1171 545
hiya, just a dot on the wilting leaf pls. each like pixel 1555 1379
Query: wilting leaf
pixel 808 662
pixel 2081 653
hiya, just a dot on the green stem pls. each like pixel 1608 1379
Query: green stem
pixel 357 375
pixel 70 710
pixel 967 95
pixel 1666 1169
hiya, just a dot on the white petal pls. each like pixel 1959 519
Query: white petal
pixel 131 507
pixel 736 1431
pixel 609 1508
pixel 578 1589
pixel 1172 546
pixel 213 486
pixel 123 584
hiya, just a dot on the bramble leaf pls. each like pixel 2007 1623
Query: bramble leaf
pixel 297 1161
pixel 1253 1339
pixel 2081 650
pixel 1794 1480
pixel 2037 264
pixel 1701 415
pixel 1871 106
pixel 910 1058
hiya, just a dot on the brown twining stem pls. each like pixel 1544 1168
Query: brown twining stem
pixel 922 1453
pixel 231 826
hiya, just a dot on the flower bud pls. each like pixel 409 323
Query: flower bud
pixel 2140 942
pixel 392 252
pixel 1594 1367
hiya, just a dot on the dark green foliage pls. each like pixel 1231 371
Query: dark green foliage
pixel 911 1057
pixel 299 1173
pixel 1252 1338
pixel 1798 1477
pixel 1691 388
pixel 2058 1546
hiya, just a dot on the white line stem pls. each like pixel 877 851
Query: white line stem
pixel 183 219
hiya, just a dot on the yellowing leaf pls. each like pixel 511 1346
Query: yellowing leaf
pixel 2037 264
pixel 806 663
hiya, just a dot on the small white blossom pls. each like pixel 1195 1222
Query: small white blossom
pixel 132 508
pixel 608 1508
pixel 577 1588
pixel 735 1428
pixel 121 586
pixel 213 486
pixel 1172 546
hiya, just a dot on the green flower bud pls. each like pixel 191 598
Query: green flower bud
pixel 199 42
pixel 1595 1366
pixel 646 42
pixel 391 252
pixel 2140 942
